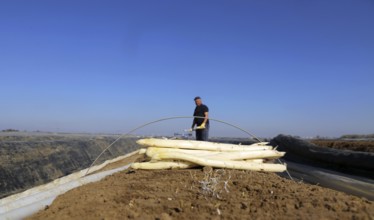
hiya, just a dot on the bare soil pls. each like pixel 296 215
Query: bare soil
pixel 365 146
pixel 204 194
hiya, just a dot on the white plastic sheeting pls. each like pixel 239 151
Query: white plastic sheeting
pixel 24 204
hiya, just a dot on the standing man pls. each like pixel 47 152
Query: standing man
pixel 202 123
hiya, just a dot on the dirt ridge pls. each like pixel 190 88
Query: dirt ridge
pixel 204 194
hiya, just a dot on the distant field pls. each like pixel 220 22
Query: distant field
pixel 354 145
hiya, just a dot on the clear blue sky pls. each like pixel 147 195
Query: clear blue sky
pixel 294 67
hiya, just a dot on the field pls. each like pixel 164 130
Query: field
pixel 202 193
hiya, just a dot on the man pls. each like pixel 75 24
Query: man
pixel 202 123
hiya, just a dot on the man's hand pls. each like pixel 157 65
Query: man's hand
pixel 202 126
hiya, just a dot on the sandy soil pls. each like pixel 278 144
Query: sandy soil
pixel 365 146
pixel 204 194
pixel 120 163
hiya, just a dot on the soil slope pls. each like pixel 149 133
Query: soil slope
pixel 28 160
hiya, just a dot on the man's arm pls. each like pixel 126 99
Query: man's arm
pixel 202 126
pixel 206 114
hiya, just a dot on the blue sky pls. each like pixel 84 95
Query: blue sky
pixel 293 67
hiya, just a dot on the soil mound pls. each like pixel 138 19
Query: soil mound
pixel 204 194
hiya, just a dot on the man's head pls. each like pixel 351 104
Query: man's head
pixel 198 101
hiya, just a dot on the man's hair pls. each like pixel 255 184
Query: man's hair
pixel 197 97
